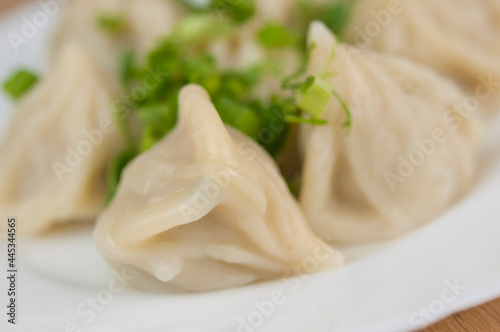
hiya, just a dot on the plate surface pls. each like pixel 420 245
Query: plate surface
pixel 449 265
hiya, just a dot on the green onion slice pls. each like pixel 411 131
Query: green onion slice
pixel 19 83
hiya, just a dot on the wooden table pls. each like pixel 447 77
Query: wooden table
pixel 485 318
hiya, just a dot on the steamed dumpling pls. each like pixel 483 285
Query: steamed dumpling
pixel 409 155
pixel 206 208
pixel 56 151
pixel 146 22
pixel 459 38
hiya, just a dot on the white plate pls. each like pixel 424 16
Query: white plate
pixel 398 285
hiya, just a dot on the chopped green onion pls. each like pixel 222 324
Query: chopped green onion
pixel 315 96
pixel 239 84
pixel 348 123
pixel 19 83
pixel 111 23
pixel 274 35
pixel 238 115
pixel 158 119
pixel 203 70
pixel 157 114
pixel 288 82
pixel 126 68
pixel 335 14
pixel 302 120
pixel 115 170
pixel 274 127
pixel 238 10
pixel 199 27
pixel 149 138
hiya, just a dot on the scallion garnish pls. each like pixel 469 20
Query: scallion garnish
pixel 348 122
pixel 273 35
pixel 288 82
pixel 158 119
pixel 314 96
pixel 126 68
pixel 334 14
pixel 239 10
pixel 19 83
pixel 199 28
pixel 111 23
pixel 238 115
pixel 302 120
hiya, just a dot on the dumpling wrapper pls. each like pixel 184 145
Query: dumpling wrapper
pixel 206 209
pixel 58 146
pixel 459 38
pixel 146 22
pixel 407 157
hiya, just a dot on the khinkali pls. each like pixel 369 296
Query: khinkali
pixel 459 38
pixel 206 208
pixel 409 154
pixel 58 145
pixel 146 22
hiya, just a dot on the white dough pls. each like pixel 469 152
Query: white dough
pixel 147 21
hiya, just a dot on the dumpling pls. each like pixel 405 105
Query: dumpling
pixel 147 21
pixel 206 209
pixel 459 38
pixel 409 154
pixel 58 145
